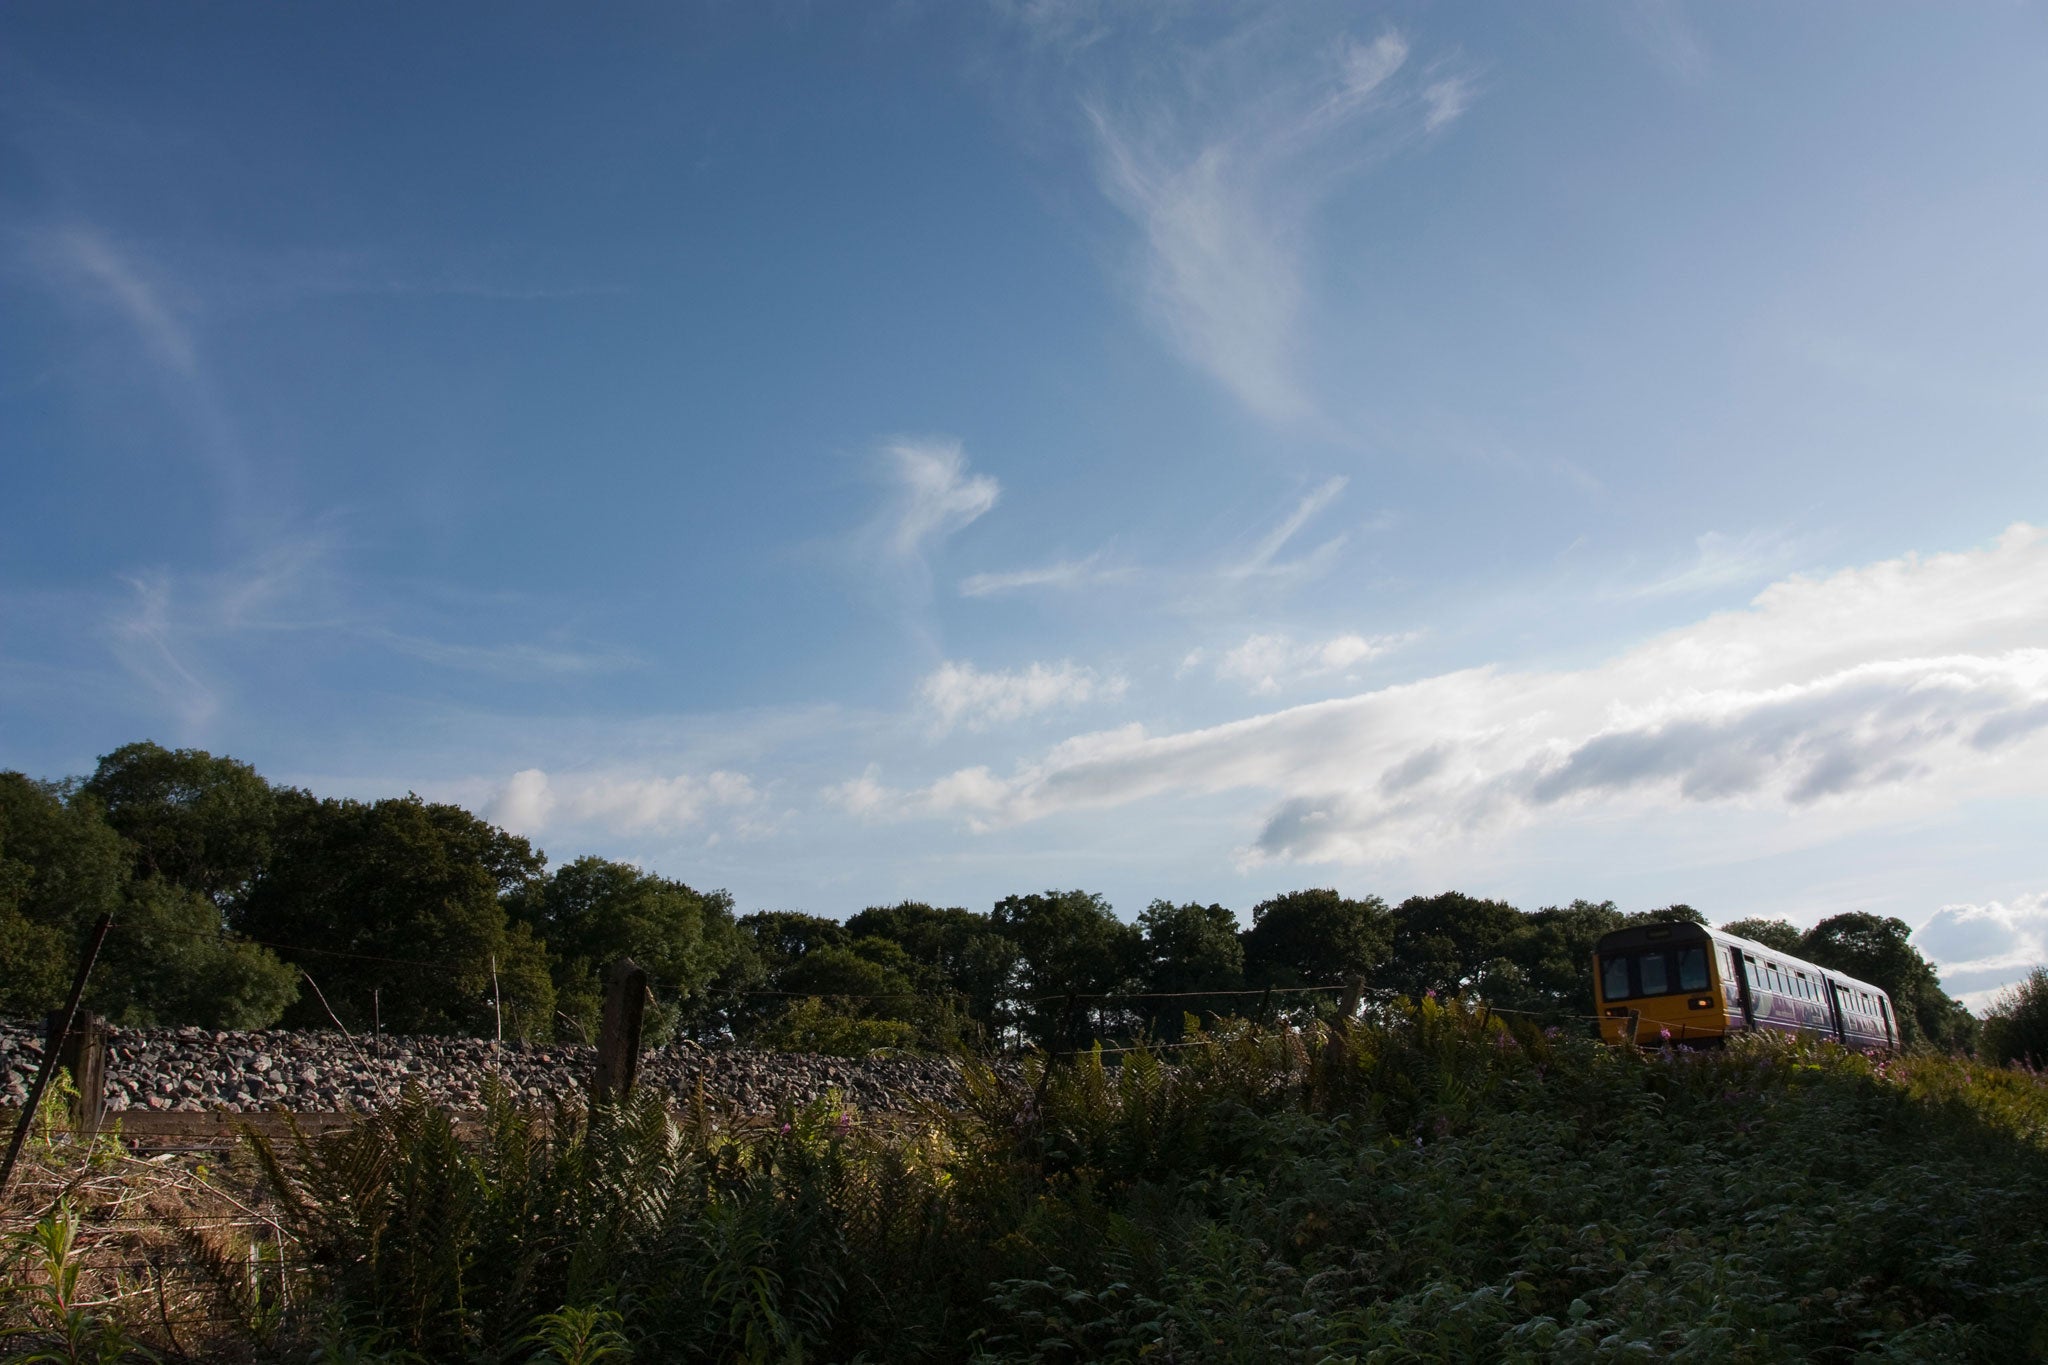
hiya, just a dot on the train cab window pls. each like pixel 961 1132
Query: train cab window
pixel 1692 969
pixel 1655 969
pixel 1614 977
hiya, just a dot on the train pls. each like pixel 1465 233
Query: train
pixel 1691 985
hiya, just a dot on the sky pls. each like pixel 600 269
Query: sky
pixel 854 453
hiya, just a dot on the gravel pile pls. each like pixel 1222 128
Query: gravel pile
pixel 190 1069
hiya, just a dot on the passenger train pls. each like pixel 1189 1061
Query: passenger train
pixel 1688 984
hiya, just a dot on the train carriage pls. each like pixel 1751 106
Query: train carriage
pixel 1690 984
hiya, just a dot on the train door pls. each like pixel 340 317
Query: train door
pixel 1834 994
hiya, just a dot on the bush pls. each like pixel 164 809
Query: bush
pixel 2016 1028
pixel 1433 1184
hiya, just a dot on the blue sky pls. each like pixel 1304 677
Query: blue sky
pixel 848 453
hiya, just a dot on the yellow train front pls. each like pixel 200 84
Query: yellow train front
pixel 1686 984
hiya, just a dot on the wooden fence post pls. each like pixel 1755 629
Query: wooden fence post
pixel 618 1036
pixel 82 1051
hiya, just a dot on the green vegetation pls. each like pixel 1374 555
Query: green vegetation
pixel 1434 1183
pixel 2016 1030
pixel 242 904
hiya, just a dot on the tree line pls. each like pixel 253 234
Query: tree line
pixel 240 903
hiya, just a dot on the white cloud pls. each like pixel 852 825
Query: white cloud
pixel 532 801
pixel 933 497
pixel 936 495
pixel 1445 100
pixel 959 694
pixel 1222 166
pixel 1062 575
pixel 1981 949
pixel 1919 675
pixel 1266 663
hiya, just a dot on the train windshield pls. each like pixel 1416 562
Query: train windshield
pixel 1656 971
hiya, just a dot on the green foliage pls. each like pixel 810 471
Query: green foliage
pixel 1878 949
pixel 169 959
pixel 1189 949
pixel 592 912
pixel 407 882
pixel 1316 938
pixel 577 1336
pixel 954 952
pixel 194 820
pixel 833 1028
pixel 1772 933
pixel 1436 1184
pixel 2016 1028
pixel 1447 942
pixel 68 1330
pixel 1548 968
pixel 1067 942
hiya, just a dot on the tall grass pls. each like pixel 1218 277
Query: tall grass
pixel 1436 1184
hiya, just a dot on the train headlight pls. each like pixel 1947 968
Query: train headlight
pixel 1700 1002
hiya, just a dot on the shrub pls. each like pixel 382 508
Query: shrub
pixel 2016 1028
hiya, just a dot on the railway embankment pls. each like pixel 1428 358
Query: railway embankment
pixel 192 1070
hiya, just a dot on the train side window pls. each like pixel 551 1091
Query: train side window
pixel 1692 969
pixel 1655 969
pixel 1754 972
pixel 1614 976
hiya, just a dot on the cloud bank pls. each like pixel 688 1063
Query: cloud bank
pixel 1921 674
pixel 1981 949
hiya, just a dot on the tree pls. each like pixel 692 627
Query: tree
pixel 592 912
pixel 781 938
pixel 1316 938
pixel 1188 949
pixel 953 951
pixel 32 955
pixel 1680 913
pixel 1772 933
pixel 2016 1028
pixel 1553 954
pixel 1449 942
pixel 1069 943
pixel 1878 949
pixel 197 821
pixel 168 960
pixel 394 908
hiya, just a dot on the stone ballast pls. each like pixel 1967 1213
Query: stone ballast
pixel 197 1070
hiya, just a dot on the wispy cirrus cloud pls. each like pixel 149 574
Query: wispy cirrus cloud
pixel 931 497
pixel 1909 674
pixel 1063 575
pixel 1724 561
pixel 1221 157
pixel 1264 562
pixel 959 694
